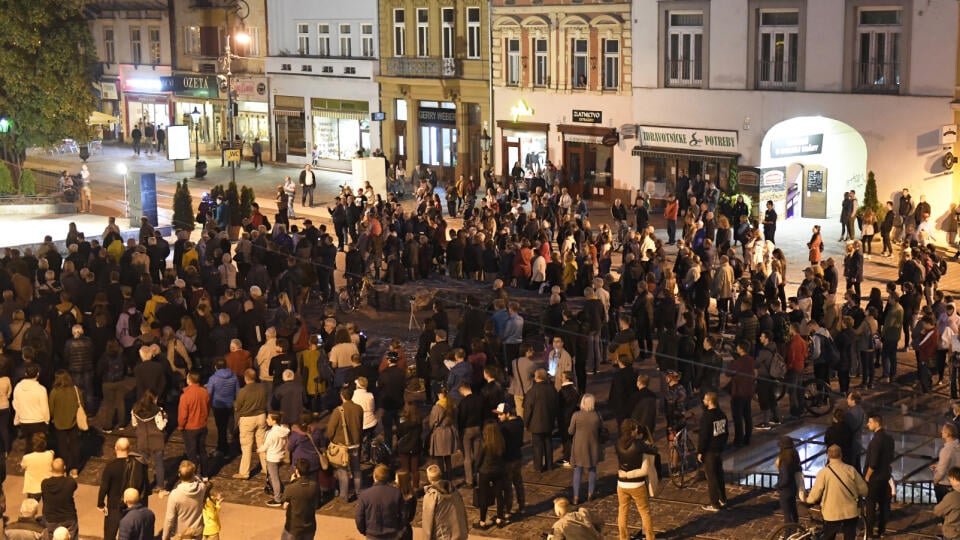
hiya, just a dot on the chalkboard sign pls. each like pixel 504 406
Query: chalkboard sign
pixel 815 181
pixel 148 197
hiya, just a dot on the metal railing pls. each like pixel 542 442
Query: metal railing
pixel 429 67
pixel 776 75
pixel 907 492
pixel 683 73
pixel 877 77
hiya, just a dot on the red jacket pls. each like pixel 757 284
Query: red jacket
pixel 194 407
pixel 671 210
pixel 927 347
pixel 796 353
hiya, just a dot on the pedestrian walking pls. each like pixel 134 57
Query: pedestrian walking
pixel 637 476
pixel 125 471
pixel 712 439
pixel 149 422
pixel 257 148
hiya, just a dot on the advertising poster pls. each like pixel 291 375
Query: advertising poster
pixel 178 142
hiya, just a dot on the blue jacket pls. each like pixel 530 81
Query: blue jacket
pixel 460 372
pixel 223 387
pixel 380 512
pixel 138 523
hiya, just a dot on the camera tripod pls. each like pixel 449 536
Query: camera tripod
pixel 414 323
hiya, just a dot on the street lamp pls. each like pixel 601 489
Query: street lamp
pixel 195 116
pixel 485 141
pixel 122 170
pixel 241 38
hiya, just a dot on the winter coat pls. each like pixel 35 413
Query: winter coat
pixel 78 355
pixel 836 502
pixel 540 408
pixel 289 398
pixel 585 429
pixel 444 514
pixel 149 426
pixel 223 387
pixel 443 432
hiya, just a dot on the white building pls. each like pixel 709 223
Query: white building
pixel 805 96
pixel 133 44
pixel 321 69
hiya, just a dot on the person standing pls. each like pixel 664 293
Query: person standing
pixel 444 514
pixel 886 227
pixel 770 223
pixel 788 465
pixel 193 410
pixel 149 134
pixel 711 440
pixel 741 394
pixel 855 419
pixel 380 509
pixel 64 405
pixel 273 450
pixel 540 411
pixel 670 214
pixel 123 472
pixel 523 373
pixel 837 488
pixel 161 138
pixel 587 451
pixel 59 507
pixel 893 321
pixel 222 387
pixel 847 211
pixel 344 428
pixel 184 517
pixel 512 429
pixel 31 406
pixel 257 148
pixel 949 508
pixel 138 522
pixel 948 458
pixel 880 455
pixel 300 500
pixel 636 480
pixel 290 188
pixel 470 416
pixel 85 192
pixel 308 182
pixel 149 421
pixel 136 135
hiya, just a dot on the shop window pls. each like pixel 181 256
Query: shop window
pixel 684 62
pixel 191 40
pixel 879 50
pixel 778 49
pixel 513 62
pixel 337 138
pixel 541 63
pixel 399 33
pixel 423 32
pixel 154 35
pixel 296 136
pixel 579 74
pixel 109 46
pixel 447 36
pixel 346 41
pixel 366 41
pixel 473 32
pixel 136 47
pixel 611 64
pixel 303 39
pixel 438 146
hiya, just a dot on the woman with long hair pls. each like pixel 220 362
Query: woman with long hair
pixel 788 465
pixel 587 451
pixel 408 490
pixel 37 466
pixel 491 469
pixel 443 436
pixel 149 420
pixel 64 404
pixel 634 476
pixel 409 434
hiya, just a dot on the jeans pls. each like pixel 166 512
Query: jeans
pixel 671 231
pixel 641 498
pixel 716 486
pixel 924 377
pixel 878 505
pixel 252 430
pixel 542 451
pixel 888 357
pixel 742 420
pixel 113 405
pixel 793 392
pixel 514 476
pixel 194 441
pixel 766 392
pixel 84 381
pixel 591 481
pixel 887 246
pixel 221 416
pixel 471 450
pixel 788 505
pixel 306 193
pixel 594 351
pixel 159 470
pixel 273 476
pixel 343 476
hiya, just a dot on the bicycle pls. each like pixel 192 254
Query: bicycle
pixel 682 457
pixel 813 531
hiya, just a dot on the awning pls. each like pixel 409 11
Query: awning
pixel 342 115
pixel 98 118
pixel 639 151
pixel 287 112
pixel 589 139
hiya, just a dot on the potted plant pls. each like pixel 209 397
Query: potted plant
pixel 247 198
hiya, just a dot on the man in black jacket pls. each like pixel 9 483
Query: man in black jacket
pixel 149 374
pixel 711 441
pixel 645 404
pixel 59 507
pixel 300 503
pixel 880 455
pixel 380 508
pixel 470 425
pixel 392 383
pixel 126 471
pixel 623 388
pixel 540 409
pixel 78 355
pixel 512 429
pixel 339 216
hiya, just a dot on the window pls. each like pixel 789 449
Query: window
pixel 879 53
pixel 346 40
pixel 473 32
pixel 579 63
pixel 154 35
pixel 136 46
pixel 778 49
pixel 611 64
pixel 252 47
pixel 306 68
pixel 303 39
pixel 447 35
pixel 323 39
pixel 513 62
pixel 423 32
pixel 399 33
pixel 684 62
pixel 366 41
pixel 109 47
pixel 326 69
pixel 191 40
pixel 210 41
pixel 541 65
pixel 285 67
pixel 350 70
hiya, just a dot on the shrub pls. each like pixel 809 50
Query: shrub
pixel 183 217
pixel 28 183
pixel 6 180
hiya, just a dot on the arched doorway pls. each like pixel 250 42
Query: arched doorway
pixel 807 163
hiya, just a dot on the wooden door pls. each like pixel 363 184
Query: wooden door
pixel 510 155
pixel 573 162
pixel 814 192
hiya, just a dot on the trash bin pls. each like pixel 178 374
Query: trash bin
pixel 201 169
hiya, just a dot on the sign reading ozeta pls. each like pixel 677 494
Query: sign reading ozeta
pixel 704 140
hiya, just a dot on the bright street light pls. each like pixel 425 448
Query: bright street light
pixel 122 168
pixel 242 38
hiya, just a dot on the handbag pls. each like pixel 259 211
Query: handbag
pixel 324 460
pixel 338 455
pixel 81 413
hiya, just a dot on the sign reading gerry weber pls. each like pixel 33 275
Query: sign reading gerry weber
pixel 703 140
pixel 587 117
pixel 431 115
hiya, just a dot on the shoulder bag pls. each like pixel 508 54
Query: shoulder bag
pixel 324 460
pixel 338 455
pixel 81 412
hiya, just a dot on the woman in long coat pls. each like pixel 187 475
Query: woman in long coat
pixel 443 433
pixel 587 451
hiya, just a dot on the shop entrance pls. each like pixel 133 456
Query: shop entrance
pixel 282 138
pixel 588 165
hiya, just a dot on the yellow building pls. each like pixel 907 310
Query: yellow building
pixel 434 77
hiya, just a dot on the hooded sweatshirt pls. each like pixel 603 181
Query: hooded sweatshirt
pixel 444 515
pixel 275 443
pixel 223 387
pixel 184 509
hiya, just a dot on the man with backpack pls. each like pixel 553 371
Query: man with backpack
pixel 770 369
pixel 823 352
pixel 127 470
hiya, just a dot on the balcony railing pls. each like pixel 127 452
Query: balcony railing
pixel 878 77
pixel 776 75
pixel 431 67
pixel 683 73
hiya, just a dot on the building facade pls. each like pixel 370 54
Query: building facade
pixel 322 67
pixel 817 94
pixel 434 77
pixel 562 72
pixel 133 44
pixel 199 82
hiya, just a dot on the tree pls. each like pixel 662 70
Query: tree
pixel 183 217
pixel 46 74
pixel 870 199
pixel 6 180
pixel 247 198
pixel 232 196
pixel 28 183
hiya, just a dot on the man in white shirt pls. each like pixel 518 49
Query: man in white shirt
pixel 308 181
pixel 366 400
pixel 31 410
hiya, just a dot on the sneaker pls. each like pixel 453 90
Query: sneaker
pixel 274 504
pixel 566 464
pixel 709 508
pixel 776 422
pixel 239 476
pixel 763 427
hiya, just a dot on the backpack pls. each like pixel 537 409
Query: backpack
pixel 828 351
pixel 942 266
pixel 115 369
pixel 134 322
pixel 64 322
pixel 777 368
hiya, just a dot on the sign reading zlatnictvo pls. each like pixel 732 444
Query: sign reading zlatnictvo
pixel 587 117
pixel 704 140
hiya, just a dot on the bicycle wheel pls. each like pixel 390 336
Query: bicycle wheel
pixel 674 466
pixel 689 468
pixel 816 397
pixel 345 300
pixel 790 531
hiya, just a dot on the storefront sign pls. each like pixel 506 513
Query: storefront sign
pixel 611 139
pixel 520 109
pixel 948 134
pixel 804 145
pixel 188 85
pixel 178 142
pixel 704 140
pixel 432 115
pixel 250 88
pixel 587 117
